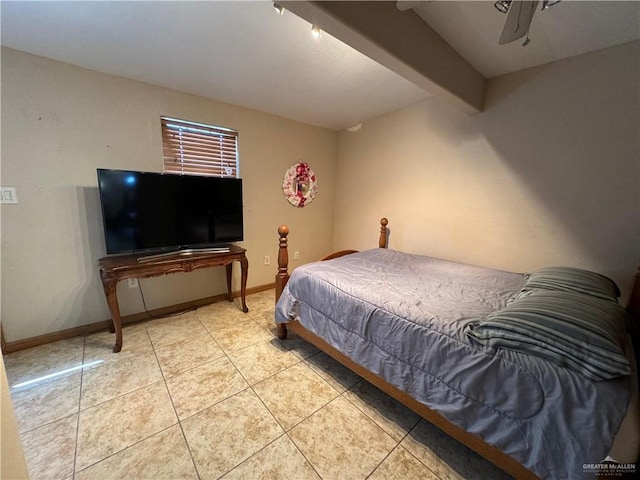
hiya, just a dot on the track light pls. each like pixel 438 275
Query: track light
pixel 315 31
pixel 549 3
pixel 278 8
pixel 502 5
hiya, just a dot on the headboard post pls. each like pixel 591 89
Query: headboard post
pixel 383 233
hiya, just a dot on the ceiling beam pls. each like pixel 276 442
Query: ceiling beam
pixel 400 41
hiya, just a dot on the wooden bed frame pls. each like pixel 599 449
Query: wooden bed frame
pixel 474 442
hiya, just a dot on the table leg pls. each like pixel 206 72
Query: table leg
pixel 112 302
pixel 229 294
pixel 244 264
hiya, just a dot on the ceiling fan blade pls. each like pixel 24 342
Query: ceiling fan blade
pixel 518 20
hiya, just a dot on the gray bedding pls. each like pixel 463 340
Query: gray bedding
pixel 403 317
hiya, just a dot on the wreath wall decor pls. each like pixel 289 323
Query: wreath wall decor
pixel 300 185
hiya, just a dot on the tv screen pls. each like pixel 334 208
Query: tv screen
pixel 148 212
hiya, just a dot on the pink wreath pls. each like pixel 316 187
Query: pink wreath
pixel 300 185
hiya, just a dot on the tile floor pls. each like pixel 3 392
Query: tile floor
pixel 213 394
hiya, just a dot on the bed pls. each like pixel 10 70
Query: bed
pixel 454 342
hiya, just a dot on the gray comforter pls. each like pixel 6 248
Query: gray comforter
pixel 402 317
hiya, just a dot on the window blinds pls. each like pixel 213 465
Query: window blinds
pixel 198 149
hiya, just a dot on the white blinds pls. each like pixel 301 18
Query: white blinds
pixel 197 149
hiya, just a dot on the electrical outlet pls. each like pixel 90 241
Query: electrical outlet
pixel 132 282
pixel 296 255
pixel 267 259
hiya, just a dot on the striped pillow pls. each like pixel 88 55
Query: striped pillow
pixel 575 331
pixel 570 279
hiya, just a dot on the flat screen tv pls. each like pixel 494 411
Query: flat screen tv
pixel 156 212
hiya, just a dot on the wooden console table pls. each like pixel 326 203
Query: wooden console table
pixel 116 268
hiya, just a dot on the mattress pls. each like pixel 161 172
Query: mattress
pixel 403 317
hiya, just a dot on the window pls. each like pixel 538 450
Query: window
pixel 197 149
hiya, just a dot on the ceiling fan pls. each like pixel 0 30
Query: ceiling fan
pixel 520 13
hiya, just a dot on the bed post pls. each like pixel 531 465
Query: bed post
pixel 283 275
pixel 383 233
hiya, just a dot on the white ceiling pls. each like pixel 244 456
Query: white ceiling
pixel 568 28
pixel 244 53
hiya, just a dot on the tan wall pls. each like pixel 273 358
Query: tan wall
pixel 60 123
pixel 547 174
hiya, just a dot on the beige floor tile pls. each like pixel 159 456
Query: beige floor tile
pixel 112 426
pixel 223 436
pixel 237 303
pixel 238 335
pixel 220 315
pixel 262 360
pixel 299 346
pixel 101 384
pixel 279 460
pixel 173 329
pixel 49 450
pixel 254 300
pixel 203 386
pixel 230 430
pixel 48 402
pixel 265 319
pixel 391 415
pixel 186 354
pixel 401 465
pixel 446 457
pixel 294 394
pixel 338 376
pixel 222 305
pixel 262 302
pixel 341 442
pixel 163 456
pixel 52 360
pixel 98 348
